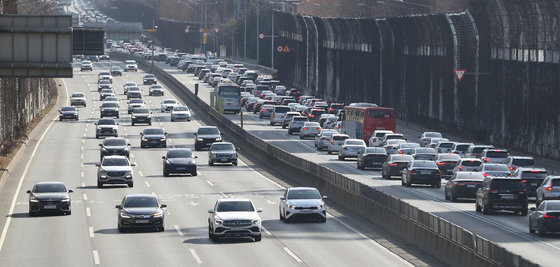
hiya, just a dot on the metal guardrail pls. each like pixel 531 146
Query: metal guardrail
pixel 432 234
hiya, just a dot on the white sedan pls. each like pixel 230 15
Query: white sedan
pixel 168 104
pixel 351 148
pixel 180 113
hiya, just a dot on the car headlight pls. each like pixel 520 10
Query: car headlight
pixel 199 139
pixel 320 206
pixel 162 139
pixel 218 222
pixel 33 199
pixel 125 215
pixel 144 139
pixel 66 199
pixel 256 221
pixel 134 117
pixel 158 214
pixel 291 207
pixel 219 139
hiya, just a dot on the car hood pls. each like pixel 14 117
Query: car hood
pixel 141 114
pixel 154 136
pixel 115 147
pixel 116 168
pixel 51 196
pixel 107 126
pixel 69 112
pixel 305 202
pixel 237 215
pixel 181 112
pixel 182 161
pixel 142 211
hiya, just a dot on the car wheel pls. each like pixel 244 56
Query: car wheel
pixel 542 232
pixel 446 194
pixel 283 126
pixel 150 123
pixel 485 210
pixel 117 116
pixel 68 212
pixel 289 132
pixel 196 147
pixel 323 219
pixel 408 183
pixel 165 173
pixel 476 206
pixel 523 212
pixel 301 137
pixel 234 163
pixel 132 123
pixel 130 184
pixel 438 185
pixel 32 214
pixel 258 238
pixel 172 119
pixel 194 173
pixel 453 197
pixel 531 230
pixel 99 184
pixel 211 163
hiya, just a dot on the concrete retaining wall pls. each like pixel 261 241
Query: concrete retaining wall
pixel 440 238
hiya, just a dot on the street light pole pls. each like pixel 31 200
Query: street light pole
pixel 245 33
pixel 272 45
pixel 153 46
pixel 258 33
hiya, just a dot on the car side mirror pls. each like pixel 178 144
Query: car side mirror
pixel 533 209
pixel 100 144
pixel 165 133
pixel 96 123
pixel 118 206
pixel 259 210
pixel 28 191
pixel 195 134
pixel 325 197
pixel 162 157
pixel 163 206
pixel 141 134
pixel 211 211
pixel 133 164
pixel 195 157
pixel 237 148
pixel 282 198
pixel 70 191
pixel 118 123
pixel 128 144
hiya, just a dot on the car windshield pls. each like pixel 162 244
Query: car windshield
pixel 425 150
pixel 425 156
pixel 471 163
pixel 109 105
pixel 506 184
pixel 153 131
pixel 303 194
pixel 115 162
pixel 141 110
pixel 401 158
pixel 433 135
pixel 114 142
pixel 140 202
pixel 446 145
pixel 553 206
pixel 375 150
pixel 49 188
pixel 410 145
pixel 534 175
pixel 300 119
pixel 68 109
pixel 495 167
pixel 228 206
pixel 105 82
pixel 340 137
pixel 149 76
pixel 106 122
pixel 114 99
pixel 157 86
pixel 78 95
pixel 208 131
pixel 169 102
pixel 106 73
pixel 222 147
pixel 182 108
pixel 462 147
pixel 524 162
pixel 130 84
pixel 424 164
pixel 179 153
pixel 281 109
pixel 497 154
pixel 355 142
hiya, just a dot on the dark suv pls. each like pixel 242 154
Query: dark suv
pixel 205 136
pixel 141 115
pixel 501 193
pixel 114 146
pixel 296 124
pixel 532 178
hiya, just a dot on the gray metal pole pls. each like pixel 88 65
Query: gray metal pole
pixel 153 42
pixel 258 32
pixel 245 33
pixel 272 45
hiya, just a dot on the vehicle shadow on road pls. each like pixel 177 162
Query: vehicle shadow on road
pixel 206 240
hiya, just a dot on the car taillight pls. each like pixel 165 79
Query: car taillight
pixel 400 152
pixel 311 115
pixel 332 141
pixel 413 172
pixel 331 109
pixel 438 172
pixel 264 109
pixel 549 216
pixel 441 163
pixel 492 191
pixel 293 122
pixel 460 168
pixel 474 155
pixel 393 164
pixel 485 174
pixel 426 139
pixel 459 184
pixel 524 181
pixel 318 129
pixel 456 152
pixel 306 128
pixel 549 188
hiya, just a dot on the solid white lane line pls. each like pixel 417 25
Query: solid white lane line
pixel 140 173
pixel 292 254
pixel 88 212
pixel 96 257
pixel 179 232
pixel 195 256
pixel 147 184
pixel 266 231
pixel 91 233
pixel 18 189
pixel 84 196
pixel 210 183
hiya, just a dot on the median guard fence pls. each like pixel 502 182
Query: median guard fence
pixel 448 242
pixel 508 48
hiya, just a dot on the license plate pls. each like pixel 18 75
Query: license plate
pixel 224 160
pixel 154 142
pixel 49 207
pixel 471 186
pixel 507 196
pixel 306 211
pixel 534 184
pixel 142 221
pixel 181 168
pixel 425 172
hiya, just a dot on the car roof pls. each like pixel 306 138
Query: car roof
pixel 521 157
pixel 463 175
pixel 207 127
pixel 233 199
pixel 302 188
pixel 140 195
pixel 222 143
pixel 115 157
pixel 523 169
pixel 51 182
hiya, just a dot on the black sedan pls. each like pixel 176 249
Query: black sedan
pixel 49 197
pixel 140 211
pixel 394 164
pixel 179 160
pixel 463 185
pixel 69 113
pixel 372 157
pixel 153 137
pixel 421 172
pixel 545 218
pixel 149 79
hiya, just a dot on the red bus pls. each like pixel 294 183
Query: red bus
pixel 360 120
